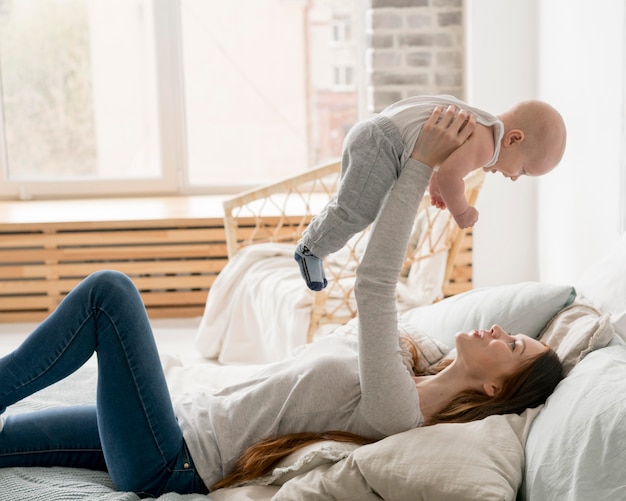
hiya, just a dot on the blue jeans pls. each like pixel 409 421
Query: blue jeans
pixel 132 431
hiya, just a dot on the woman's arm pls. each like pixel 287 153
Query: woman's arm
pixel 390 401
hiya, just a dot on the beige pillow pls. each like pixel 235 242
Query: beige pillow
pixel 481 460
pixel 577 330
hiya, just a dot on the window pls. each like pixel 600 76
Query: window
pixel 172 96
pixel 344 76
pixel 79 105
pixel 341 29
pixel 261 96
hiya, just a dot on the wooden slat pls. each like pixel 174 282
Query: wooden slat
pixel 22 316
pixel 181 298
pixel 82 269
pixel 94 238
pixel 24 288
pixel 175 311
pixel 180 282
pixel 181 311
pixel 113 253
pixel 268 234
pixel 452 288
pixel 17 287
pixel 463 258
pixel 21 303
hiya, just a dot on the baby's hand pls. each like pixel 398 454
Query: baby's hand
pixel 467 218
pixel 435 195
pixel 437 201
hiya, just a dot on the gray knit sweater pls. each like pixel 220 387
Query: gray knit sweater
pixel 335 383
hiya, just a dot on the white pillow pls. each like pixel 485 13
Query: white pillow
pixel 604 284
pixel 429 351
pixel 481 460
pixel 519 308
pixel 576 331
pixel 576 447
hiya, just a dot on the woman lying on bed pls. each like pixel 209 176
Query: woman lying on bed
pixel 150 444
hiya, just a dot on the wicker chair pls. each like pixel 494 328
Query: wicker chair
pixel 280 212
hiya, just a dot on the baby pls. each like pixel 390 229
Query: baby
pixel 528 139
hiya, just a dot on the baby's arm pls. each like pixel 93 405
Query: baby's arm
pixel 473 154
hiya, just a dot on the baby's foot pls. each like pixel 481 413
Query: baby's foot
pixel 311 268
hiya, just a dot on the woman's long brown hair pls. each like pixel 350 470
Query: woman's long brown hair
pixel 262 457
pixel 528 387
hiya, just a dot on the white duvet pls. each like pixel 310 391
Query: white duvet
pixel 258 309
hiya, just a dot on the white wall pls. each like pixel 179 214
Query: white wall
pixel 502 37
pixel 570 54
pixel 582 67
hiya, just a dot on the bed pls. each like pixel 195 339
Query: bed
pixel 573 447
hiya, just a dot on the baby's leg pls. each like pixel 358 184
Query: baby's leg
pixel 370 167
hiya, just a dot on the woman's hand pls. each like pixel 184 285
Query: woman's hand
pixel 442 134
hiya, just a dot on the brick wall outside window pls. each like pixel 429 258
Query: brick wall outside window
pixel 413 47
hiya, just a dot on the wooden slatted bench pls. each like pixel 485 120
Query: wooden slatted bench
pixel 172 248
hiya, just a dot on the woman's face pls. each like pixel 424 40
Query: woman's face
pixel 492 355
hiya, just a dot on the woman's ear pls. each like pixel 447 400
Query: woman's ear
pixel 491 389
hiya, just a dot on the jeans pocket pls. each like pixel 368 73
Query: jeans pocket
pixel 184 477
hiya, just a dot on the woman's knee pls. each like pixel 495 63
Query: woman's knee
pixel 110 288
pixel 111 280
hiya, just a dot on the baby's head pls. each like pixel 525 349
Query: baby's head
pixel 533 142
